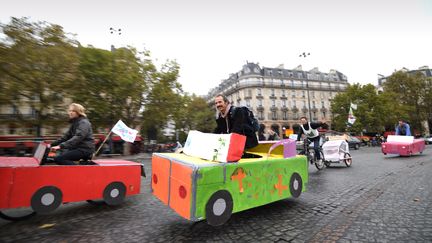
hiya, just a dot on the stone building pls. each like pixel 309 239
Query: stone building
pixel 279 96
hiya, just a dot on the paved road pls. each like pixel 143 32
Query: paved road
pixel 380 198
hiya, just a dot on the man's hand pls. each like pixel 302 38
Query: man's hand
pixel 55 148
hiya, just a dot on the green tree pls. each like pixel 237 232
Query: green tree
pixel 410 91
pixel 112 84
pixel 194 114
pixel 37 62
pixel 374 111
pixel 163 98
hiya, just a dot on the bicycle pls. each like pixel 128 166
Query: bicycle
pixel 310 154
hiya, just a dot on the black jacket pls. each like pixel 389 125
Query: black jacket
pixel 79 136
pixel 236 122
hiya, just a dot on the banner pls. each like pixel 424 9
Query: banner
pixel 215 147
pixel 351 117
pixel 126 133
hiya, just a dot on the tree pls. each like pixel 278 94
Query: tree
pixel 374 111
pixel 194 114
pixel 114 84
pixel 411 92
pixel 37 62
pixel 162 99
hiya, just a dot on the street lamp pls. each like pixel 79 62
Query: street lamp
pixel 304 55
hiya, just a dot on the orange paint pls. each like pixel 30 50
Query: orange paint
pixel 160 178
pixel 181 189
pixel 279 186
pixel 239 176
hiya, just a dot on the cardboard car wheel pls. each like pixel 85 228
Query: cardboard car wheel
pixel 348 159
pixel 296 185
pixel 219 208
pixel 114 193
pixel 16 214
pixel 46 199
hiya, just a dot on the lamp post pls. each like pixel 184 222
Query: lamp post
pixel 304 55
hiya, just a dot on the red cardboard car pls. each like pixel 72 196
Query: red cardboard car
pixel 25 183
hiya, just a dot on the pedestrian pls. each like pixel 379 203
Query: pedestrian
pixel 261 131
pixel 227 122
pixel 77 143
pixel 273 135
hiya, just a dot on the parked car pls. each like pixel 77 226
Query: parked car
pixel 428 140
pixel 354 142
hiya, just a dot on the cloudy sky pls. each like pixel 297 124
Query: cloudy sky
pixel 212 38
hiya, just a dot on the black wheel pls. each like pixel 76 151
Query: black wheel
pixel 46 199
pixel 356 146
pixel 219 208
pixel 296 185
pixel 327 163
pixel 319 164
pixel 17 214
pixel 114 193
pixel 347 159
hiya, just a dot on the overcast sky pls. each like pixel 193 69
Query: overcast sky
pixel 211 39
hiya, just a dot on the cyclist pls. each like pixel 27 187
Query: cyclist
pixel 310 130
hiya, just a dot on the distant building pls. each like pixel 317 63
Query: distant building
pixel 279 96
pixel 425 70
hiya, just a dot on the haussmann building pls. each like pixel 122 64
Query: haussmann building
pixel 279 96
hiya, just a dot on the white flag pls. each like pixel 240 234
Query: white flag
pixel 354 106
pixel 351 117
pixel 126 133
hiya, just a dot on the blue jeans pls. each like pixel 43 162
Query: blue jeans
pixel 316 142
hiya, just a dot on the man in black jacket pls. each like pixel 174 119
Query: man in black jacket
pixel 78 141
pixel 233 120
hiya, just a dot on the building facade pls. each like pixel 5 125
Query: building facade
pixel 279 96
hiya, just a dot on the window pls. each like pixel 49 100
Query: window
pixel 249 93
pixel 285 115
pixel 303 94
pixel 259 91
pixel 284 103
pixel 248 102
pixel 274 116
pixel 260 115
pixel 273 103
pixel 272 92
pixel 294 103
pixel 260 102
pixel 312 94
pixel 322 104
pixel 293 94
pixel 315 118
pixel 313 104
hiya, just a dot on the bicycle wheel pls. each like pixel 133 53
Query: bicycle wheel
pixel 319 163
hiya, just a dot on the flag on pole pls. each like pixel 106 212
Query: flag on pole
pixel 351 117
pixel 126 133
pixel 353 106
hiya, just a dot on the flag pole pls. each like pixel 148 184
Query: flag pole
pixel 97 151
